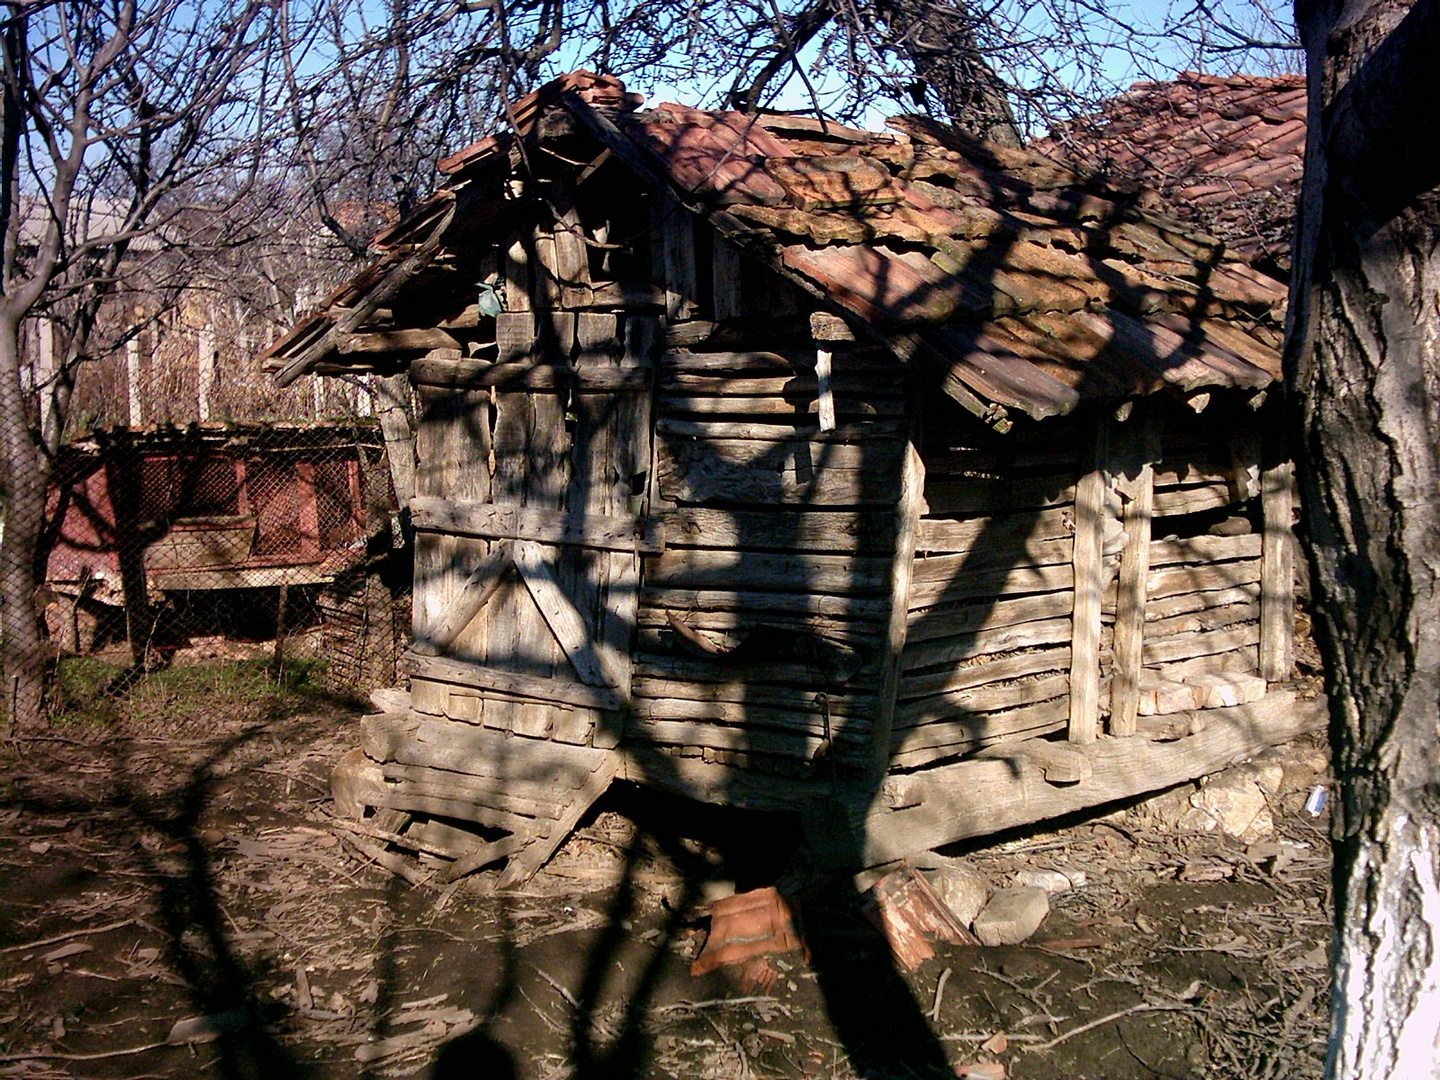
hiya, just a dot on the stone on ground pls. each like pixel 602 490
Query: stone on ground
pixel 1012 915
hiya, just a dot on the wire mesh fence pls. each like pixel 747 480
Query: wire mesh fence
pixel 197 515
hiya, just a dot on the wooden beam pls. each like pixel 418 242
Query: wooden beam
pixel 1138 488
pixel 1088 563
pixel 560 615
pixel 978 798
pixel 907 517
pixel 419 339
pixel 477 590
pixel 1277 572
pixel 491 521
pixel 444 669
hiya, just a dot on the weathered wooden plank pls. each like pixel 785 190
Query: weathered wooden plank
pixel 1024 552
pixel 1203 578
pixel 1172 502
pixel 1187 602
pixel 1003 639
pixel 710 568
pixel 907 516
pixel 973 732
pixel 443 669
pixel 986 582
pixel 782 427
pixel 506 521
pixel 565 622
pixel 371 342
pixel 469 600
pixel 1000 533
pixel 1203 549
pixel 462 748
pixel 656 665
pixel 1208 618
pixel 782 472
pixel 676 229
pixel 726 267
pixel 517 275
pixel 790 744
pixel 1135 464
pixel 800 406
pixel 523 866
pixel 743 623
pixel 798 529
pixel 1089 581
pixel 976 700
pixel 952 495
pixel 762 603
pixel 1201 643
pixel 956 802
pixel 956 620
pixel 1277 573
pixel 497 792
pixel 452 444
pixel 841 728
pixel 475 373
pixel 965 676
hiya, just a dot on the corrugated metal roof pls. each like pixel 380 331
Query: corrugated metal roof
pixel 1036 286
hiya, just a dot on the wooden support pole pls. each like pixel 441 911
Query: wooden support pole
pixel 1088 563
pixel 907 516
pixel 1277 572
pixel 1137 486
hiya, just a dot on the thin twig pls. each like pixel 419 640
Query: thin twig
pixel 939 995
pixel 56 1055
pixel 66 937
pixel 1144 1006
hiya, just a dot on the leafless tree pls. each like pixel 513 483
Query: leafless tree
pixel 123 120
pixel 1362 357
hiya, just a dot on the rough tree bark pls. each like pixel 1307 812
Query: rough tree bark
pixel 1364 366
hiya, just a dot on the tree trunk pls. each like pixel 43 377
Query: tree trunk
pixel 1362 361
pixel 22 638
pixel 939 37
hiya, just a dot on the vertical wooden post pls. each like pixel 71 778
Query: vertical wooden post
pixel 676 229
pixel 132 381
pixel 825 390
pixel 1138 486
pixel 907 517
pixel 1088 561
pixel 1277 571
pixel 725 267
pixel 205 370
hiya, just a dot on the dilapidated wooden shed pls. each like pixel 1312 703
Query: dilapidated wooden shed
pixel 921 486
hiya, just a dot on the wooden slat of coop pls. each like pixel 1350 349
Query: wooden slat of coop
pixel 983 670
pixel 919 746
pixel 760 530
pixel 960 619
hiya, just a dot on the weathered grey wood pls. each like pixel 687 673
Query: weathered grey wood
pixel 986 643
pixel 907 512
pixel 452 445
pixel 976 798
pixel 1184 603
pixel 676 229
pixel 841 531
pixel 1200 643
pixel 444 669
pixel 951 495
pixel 1025 552
pixel 976 700
pixel 654 665
pixel 524 375
pixel 729 363
pixel 957 620
pixel 597 339
pixel 741 624
pixel 1277 573
pixel 933 742
pixel 392 341
pixel 565 622
pixel 1057 762
pixel 1203 578
pixel 987 582
pixel 725 270
pixel 782 427
pixel 392 409
pixel 1205 618
pixel 514 341
pixel 1089 580
pixel 748 738
pixel 1138 473
pixel 799 406
pixel 496 792
pixel 483 856
pixel 961 678
pixel 1203 549
pixel 1172 502
pixel 824 390
pixel 782 472
pixel 758 602
pixel 1003 532
pixel 494 521
pixel 710 568
pixel 523 866
pixel 517 276
pixel 469 600
pixel 808 719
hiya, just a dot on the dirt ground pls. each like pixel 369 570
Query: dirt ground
pixel 179 899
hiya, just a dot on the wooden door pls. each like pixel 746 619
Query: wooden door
pixel 530 526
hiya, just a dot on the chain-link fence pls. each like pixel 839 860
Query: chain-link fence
pixel 198 514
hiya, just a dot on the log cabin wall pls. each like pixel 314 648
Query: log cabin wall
pixel 993 637
pixel 762 625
